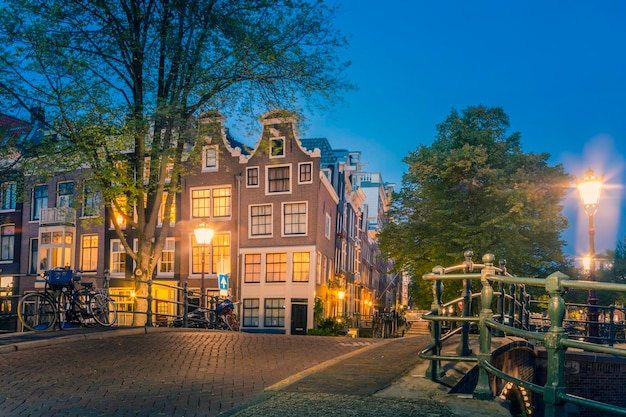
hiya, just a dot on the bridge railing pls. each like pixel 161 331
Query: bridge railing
pixel 555 339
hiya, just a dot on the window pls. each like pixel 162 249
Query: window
pixel 261 220
pixel 209 158
pixel 276 267
pixel 278 179
pixel 294 218
pixel 34 256
pixel 221 253
pixel 89 252
pixel 221 202
pixel 91 199
pixel 250 312
pixel 274 312
pixel 7 242
pixel 65 194
pixel 252 177
pixel 277 147
pixel 40 200
pixel 327 225
pixel 211 202
pixel 252 265
pixel 121 210
pixel 172 214
pixel 318 268
pixel 301 261
pixel 8 195
pixel 118 258
pixel 166 262
pixel 196 256
pixel 306 173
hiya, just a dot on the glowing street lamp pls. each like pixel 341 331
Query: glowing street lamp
pixel 203 234
pixel 589 188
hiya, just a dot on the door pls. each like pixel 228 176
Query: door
pixel 298 318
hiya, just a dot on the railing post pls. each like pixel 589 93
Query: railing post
pixel 434 368
pixel 483 388
pixel 512 289
pixel 463 349
pixel 149 309
pixel 501 299
pixel 555 382
pixel 520 312
pixel 612 325
pixel 526 324
pixel 185 304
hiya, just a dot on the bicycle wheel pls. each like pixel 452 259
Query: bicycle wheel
pixel 103 310
pixel 37 311
pixel 231 322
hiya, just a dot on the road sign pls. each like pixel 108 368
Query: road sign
pixel 223 281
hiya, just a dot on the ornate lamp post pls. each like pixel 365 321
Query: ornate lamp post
pixel 203 234
pixel 589 188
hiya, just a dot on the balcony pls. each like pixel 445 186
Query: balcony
pixel 58 216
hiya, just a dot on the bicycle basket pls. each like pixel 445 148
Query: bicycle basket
pixel 59 278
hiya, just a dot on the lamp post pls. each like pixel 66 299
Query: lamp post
pixel 203 234
pixel 589 188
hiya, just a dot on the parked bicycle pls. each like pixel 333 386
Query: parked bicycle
pixel 222 317
pixel 62 303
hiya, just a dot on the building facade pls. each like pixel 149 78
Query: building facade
pixel 294 234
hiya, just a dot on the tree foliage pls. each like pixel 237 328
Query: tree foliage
pixel 475 189
pixel 121 82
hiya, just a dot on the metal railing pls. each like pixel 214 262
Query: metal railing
pixel 555 339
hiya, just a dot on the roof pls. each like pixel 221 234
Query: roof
pixel 328 157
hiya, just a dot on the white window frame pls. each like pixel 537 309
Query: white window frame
pixel 258 177
pixel 207 166
pixel 211 203
pixel 91 200
pixel 268 169
pixel 283 218
pixel 300 165
pixel 65 200
pixel 116 254
pixel 252 225
pixel 91 250
pixel 327 225
pixel 169 249
pixel 274 140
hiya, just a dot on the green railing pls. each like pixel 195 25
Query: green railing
pixel 555 339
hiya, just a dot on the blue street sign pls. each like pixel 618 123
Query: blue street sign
pixel 223 281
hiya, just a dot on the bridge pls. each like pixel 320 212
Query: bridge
pixel 488 345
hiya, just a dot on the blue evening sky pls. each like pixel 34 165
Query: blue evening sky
pixel 557 68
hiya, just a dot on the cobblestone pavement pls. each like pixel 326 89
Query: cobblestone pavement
pixel 155 373
pixel 178 373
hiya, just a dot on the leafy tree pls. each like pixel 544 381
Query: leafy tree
pixel 474 188
pixel 122 81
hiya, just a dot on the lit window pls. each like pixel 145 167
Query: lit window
pixel 294 218
pixel 261 220
pixel 276 267
pixel 301 261
pixel 7 242
pixel 163 215
pixel 221 253
pixel 211 202
pixel 278 179
pixel 252 272
pixel 8 195
pixel 89 253
pixel 166 263
pixel 121 210
pixel 196 256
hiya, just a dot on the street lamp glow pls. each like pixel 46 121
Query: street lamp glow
pixel 589 188
pixel 203 234
pixel 586 263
